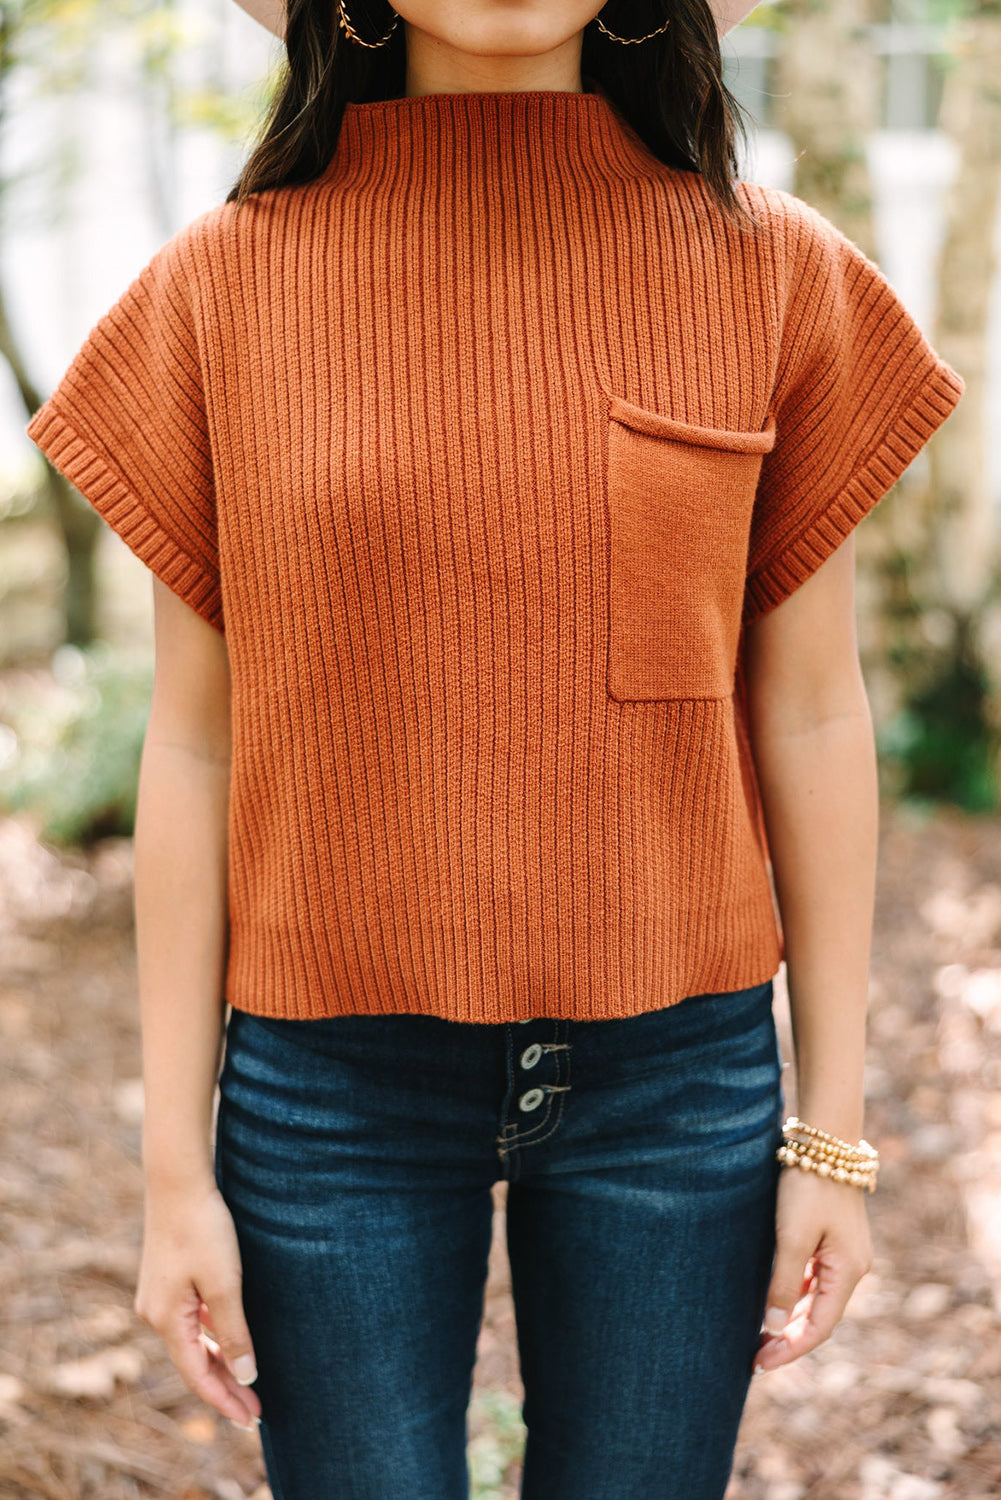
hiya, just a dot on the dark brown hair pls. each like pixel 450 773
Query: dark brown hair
pixel 670 89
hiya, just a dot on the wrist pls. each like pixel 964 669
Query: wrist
pixel 835 1116
pixel 168 1166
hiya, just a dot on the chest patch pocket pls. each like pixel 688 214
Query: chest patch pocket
pixel 679 500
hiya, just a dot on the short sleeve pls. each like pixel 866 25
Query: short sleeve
pixel 858 392
pixel 127 426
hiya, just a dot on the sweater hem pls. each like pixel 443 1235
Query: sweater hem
pixel 268 1004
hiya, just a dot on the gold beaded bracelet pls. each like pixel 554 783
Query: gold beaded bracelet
pixel 828 1155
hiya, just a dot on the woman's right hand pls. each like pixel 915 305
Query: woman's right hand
pixel 191 1266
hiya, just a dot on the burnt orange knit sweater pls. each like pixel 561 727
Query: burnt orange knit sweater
pixel 481 448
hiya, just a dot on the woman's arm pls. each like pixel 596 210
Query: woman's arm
pixel 811 738
pixel 190 1274
pixel 180 889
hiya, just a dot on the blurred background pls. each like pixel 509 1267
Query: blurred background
pixel 119 122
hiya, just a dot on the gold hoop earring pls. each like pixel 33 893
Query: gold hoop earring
pixel 349 30
pixel 627 39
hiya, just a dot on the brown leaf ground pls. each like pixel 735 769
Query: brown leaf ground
pixel 903 1402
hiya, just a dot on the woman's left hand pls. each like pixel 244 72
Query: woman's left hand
pixel 823 1249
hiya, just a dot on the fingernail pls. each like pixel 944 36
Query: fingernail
pixel 245 1426
pixel 245 1369
pixel 775 1320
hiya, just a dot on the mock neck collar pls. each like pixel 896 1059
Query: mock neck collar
pixel 517 135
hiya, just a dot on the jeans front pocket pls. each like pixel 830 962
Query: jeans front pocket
pixel 679 502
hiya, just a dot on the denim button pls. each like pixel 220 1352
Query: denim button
pixel 531 1055
pixel 532 1099
pixel 525 1020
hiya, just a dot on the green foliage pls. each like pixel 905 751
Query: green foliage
pixel 74 745
pixel 500 1442
pixel 945 12
pixel 941 747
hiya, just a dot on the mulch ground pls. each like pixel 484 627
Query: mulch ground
pixel 903 1402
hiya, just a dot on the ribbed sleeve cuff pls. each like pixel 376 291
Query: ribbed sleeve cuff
pixel 125 512
pixel 923 409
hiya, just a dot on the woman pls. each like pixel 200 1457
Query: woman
pixel 496 453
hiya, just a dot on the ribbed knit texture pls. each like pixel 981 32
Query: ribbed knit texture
pixel 481 448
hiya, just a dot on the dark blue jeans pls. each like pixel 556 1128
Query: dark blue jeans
pixel 357 1154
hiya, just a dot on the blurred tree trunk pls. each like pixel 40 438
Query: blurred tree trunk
pixel 963 523
pixel 828 87
pixel 942 577
pixel 929 567
pixel 827 81
pixel 79 524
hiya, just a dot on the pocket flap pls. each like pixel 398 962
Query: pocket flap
pixel 641 419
